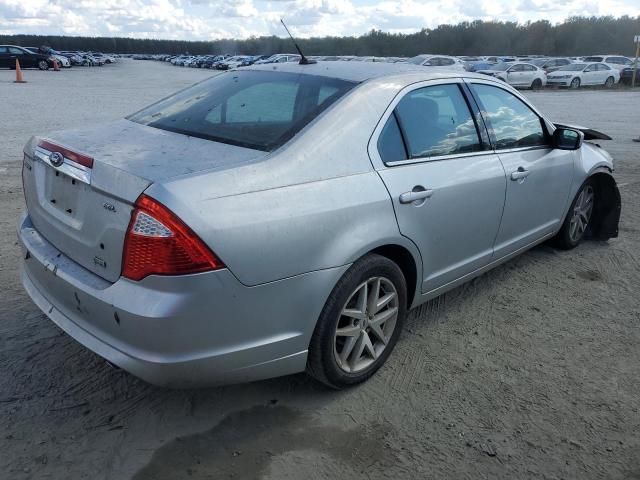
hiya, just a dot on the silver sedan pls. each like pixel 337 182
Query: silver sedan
pixel 280 219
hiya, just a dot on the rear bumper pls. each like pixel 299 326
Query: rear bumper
pixel 186 331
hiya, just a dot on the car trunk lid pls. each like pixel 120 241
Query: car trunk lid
pixel 81 185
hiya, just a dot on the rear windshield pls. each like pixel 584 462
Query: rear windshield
pixel 593 59
pixel 253 109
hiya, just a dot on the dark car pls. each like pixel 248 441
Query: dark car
pixel 10 53
pixel 626 75
pixel 213 62
pixel 251 60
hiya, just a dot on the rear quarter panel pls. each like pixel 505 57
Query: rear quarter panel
pixel 272 234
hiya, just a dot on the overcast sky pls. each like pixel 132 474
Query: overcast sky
pixel 213 19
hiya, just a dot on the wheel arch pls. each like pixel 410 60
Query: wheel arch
pixel 608 205
pixel 407 263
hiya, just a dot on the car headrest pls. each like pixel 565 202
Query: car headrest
pixel 419 110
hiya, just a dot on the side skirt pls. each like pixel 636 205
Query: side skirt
pixel 425 297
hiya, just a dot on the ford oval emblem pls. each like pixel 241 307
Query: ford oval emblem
pixel 56 159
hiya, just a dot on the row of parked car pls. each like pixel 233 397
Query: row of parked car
pixel 220 62
pixel 535 71
pixel 44 57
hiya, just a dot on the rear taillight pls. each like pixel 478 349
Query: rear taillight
pixel 159 243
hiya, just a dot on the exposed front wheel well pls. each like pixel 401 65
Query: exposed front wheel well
pixel 403 258
pixel 606 212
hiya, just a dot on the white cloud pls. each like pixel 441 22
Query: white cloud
pixel 211 19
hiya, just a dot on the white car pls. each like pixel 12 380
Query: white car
pixel 518 74
pixel 577 74
pixel 434 61
pixel 616 61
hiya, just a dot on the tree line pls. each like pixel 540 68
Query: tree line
pixel 575 36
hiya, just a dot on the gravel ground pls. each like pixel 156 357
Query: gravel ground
pixel 530 371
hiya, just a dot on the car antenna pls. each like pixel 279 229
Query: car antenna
pixel 303 60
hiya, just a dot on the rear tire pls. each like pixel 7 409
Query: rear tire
pixel 575 83
pixel 359 324
pixel 43 65
pixel 578 218
pixel 609 82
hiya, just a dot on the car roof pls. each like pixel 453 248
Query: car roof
pixel 356 71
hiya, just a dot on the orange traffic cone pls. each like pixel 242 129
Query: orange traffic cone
pixel 19 78
pixel 56 68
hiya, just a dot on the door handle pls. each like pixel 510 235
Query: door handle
pixel 415 195
pixel 520 174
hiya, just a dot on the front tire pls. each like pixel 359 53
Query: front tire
pixel 43 65
pixel 537 84
pixel 578 218
pixel 359 324
pixel 609 82
pixel 575 83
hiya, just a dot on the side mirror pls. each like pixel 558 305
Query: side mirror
pixel 567 139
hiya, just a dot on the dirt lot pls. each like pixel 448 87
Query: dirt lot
pixel 530 371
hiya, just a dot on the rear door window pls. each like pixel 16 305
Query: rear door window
pixel 436 121
pixel 512 123
pixel 390 144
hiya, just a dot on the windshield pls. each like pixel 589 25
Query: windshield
pixel 253 109
pixel 500 67
pixel 572 67
pixel 417 60
pixel 593 59
pixel 539 62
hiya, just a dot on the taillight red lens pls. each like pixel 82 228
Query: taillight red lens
pixel 159 243
pixel 76 157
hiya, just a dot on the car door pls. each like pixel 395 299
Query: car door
pixel 528 74
pixel 514 75
pixel 446 184
pixel 23 57
pixel 590 75
pixel 538 176
pixel 605 71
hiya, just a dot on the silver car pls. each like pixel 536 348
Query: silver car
pixel 280 219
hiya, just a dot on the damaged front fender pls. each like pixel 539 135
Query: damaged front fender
pixel 606 213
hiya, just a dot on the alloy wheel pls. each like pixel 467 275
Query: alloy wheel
pixel 575 83
pixel 581 214
pixel 366 324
